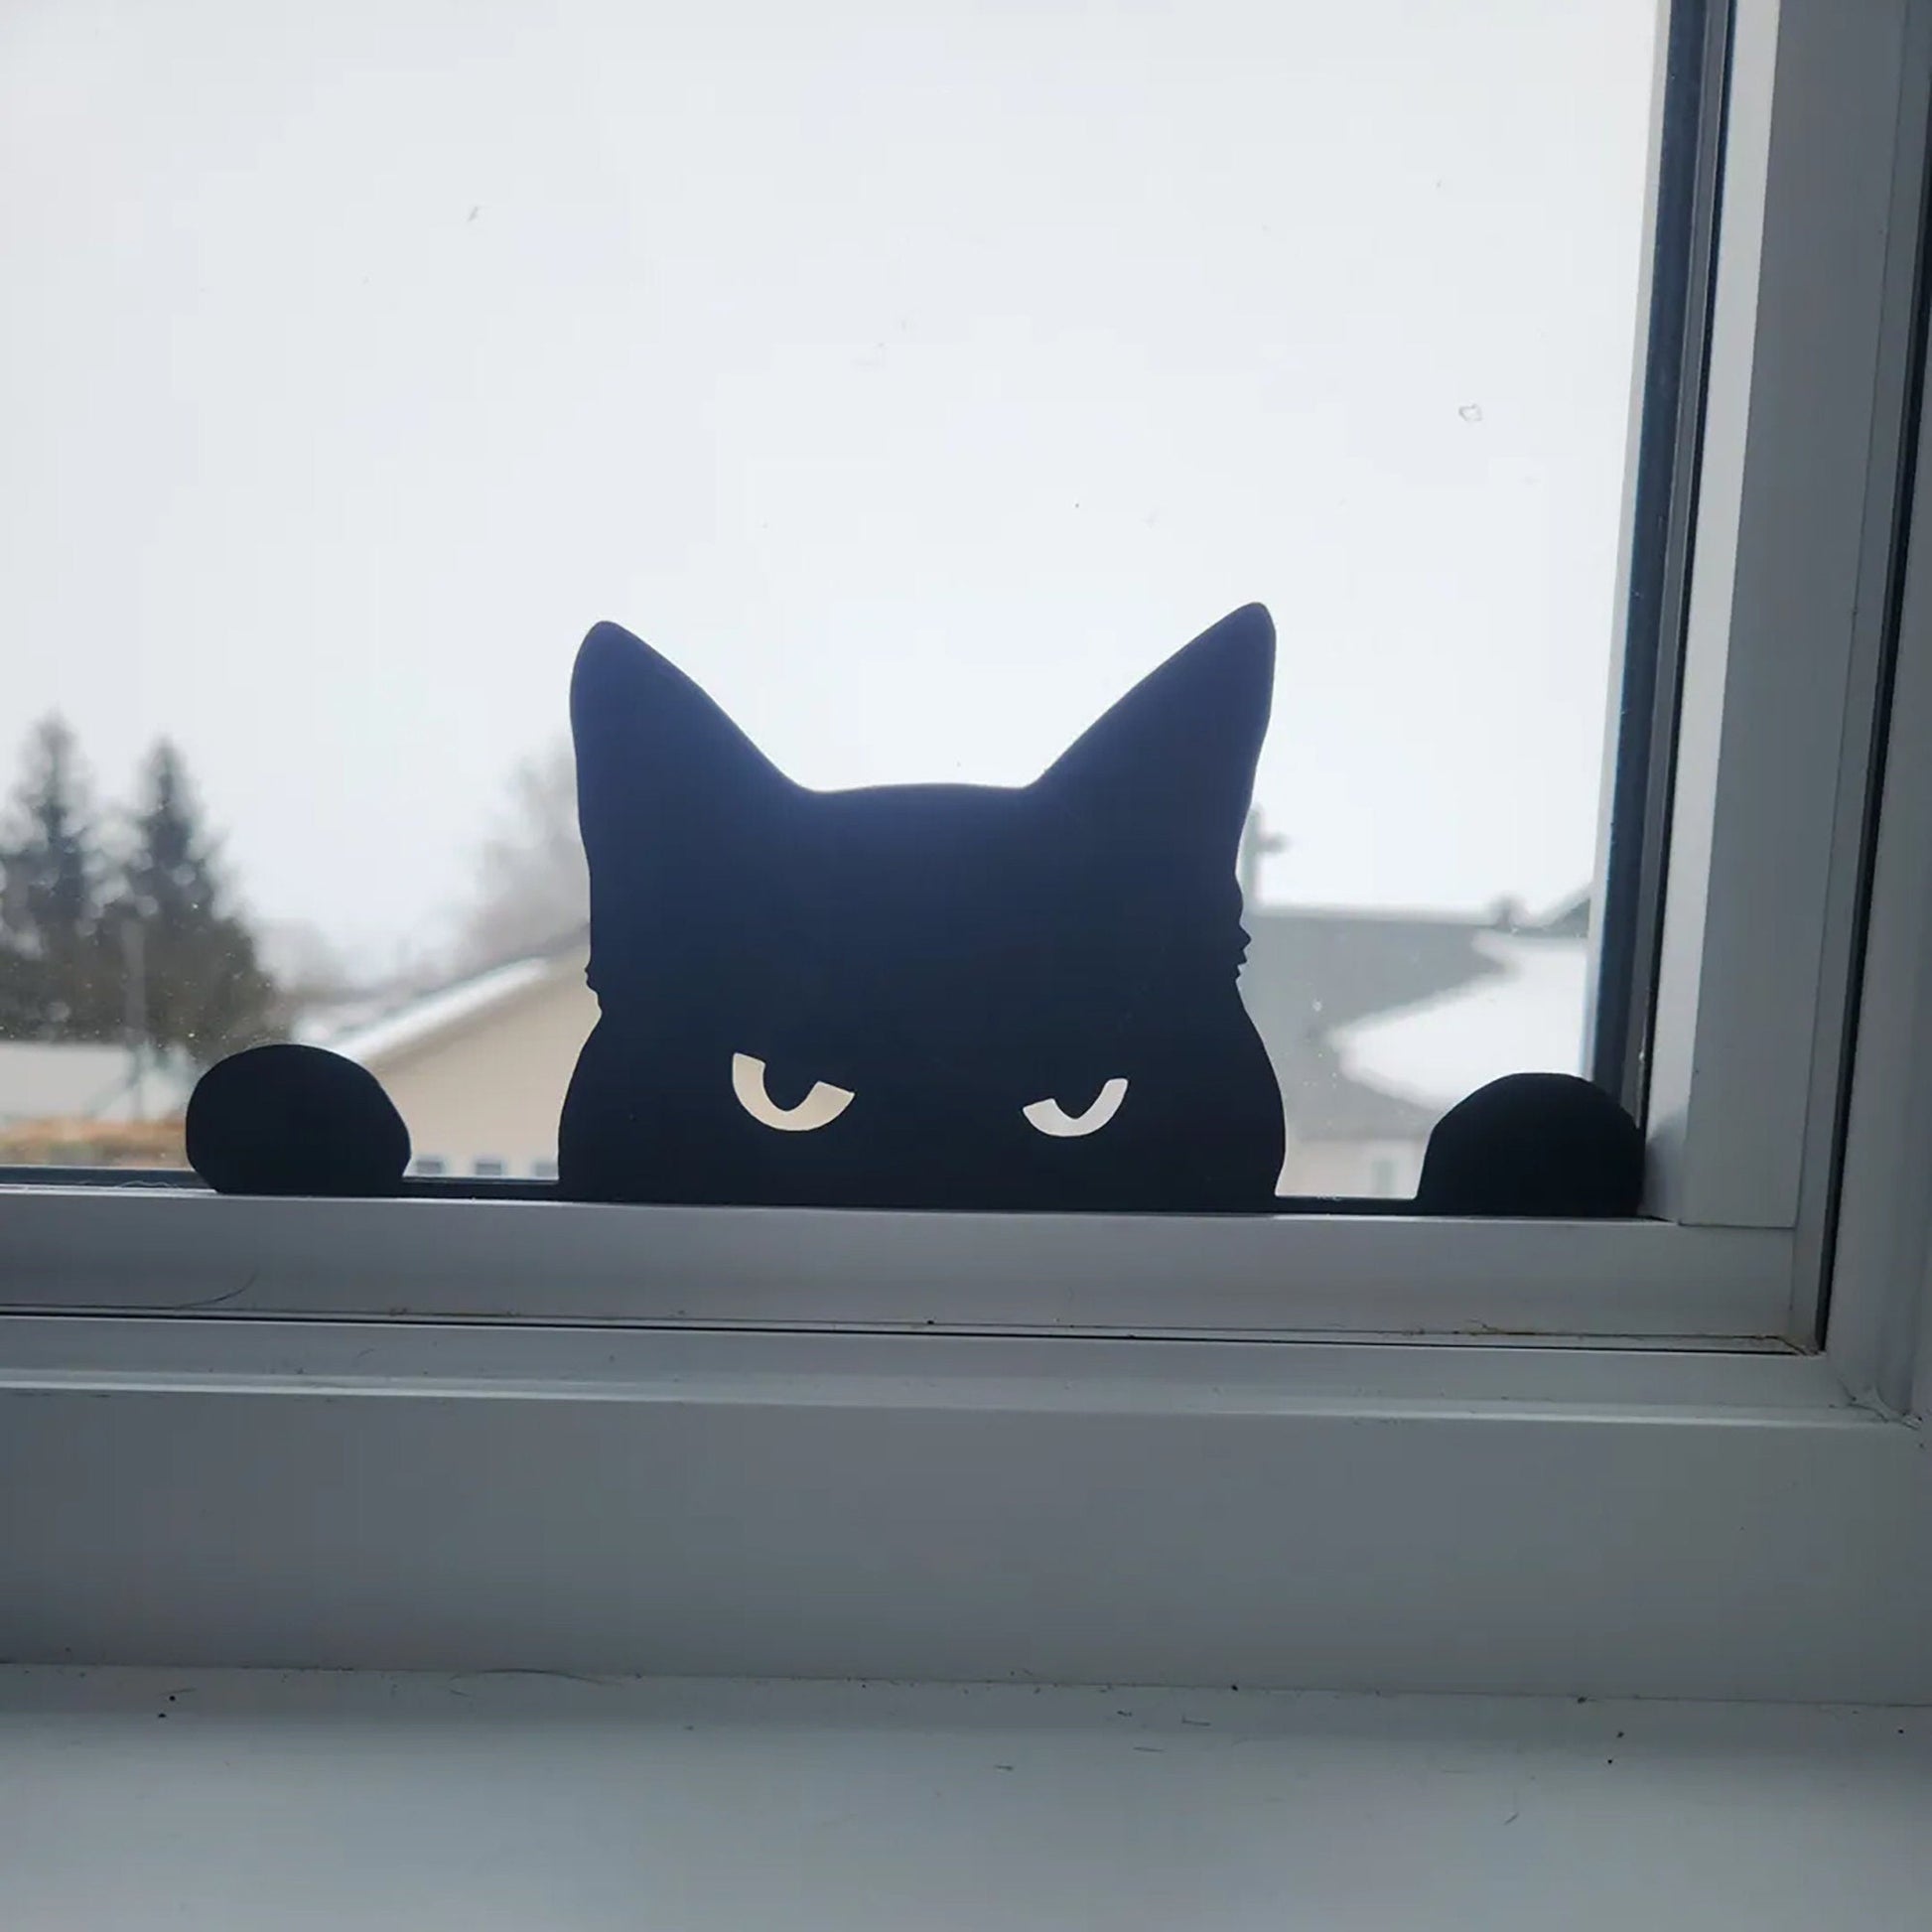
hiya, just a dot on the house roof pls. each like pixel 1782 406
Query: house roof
pixel 1528 1016
pixel 1375 1021
pixel 426 1017
pixel 1315 971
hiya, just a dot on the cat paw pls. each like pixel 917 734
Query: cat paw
pixel 1546 1146
pixel 295 1120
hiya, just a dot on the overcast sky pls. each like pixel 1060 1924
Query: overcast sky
pixel 916 375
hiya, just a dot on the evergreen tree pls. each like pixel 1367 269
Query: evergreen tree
pixel 195 981
pixel 58 980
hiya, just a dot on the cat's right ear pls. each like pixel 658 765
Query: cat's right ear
pixel 662 775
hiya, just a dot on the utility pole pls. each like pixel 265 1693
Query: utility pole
pixel 135 980
pixel 1257 843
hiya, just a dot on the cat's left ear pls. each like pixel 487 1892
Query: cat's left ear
pixel 1166 776
pixel 670 798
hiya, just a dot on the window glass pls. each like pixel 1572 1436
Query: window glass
pixel 916 378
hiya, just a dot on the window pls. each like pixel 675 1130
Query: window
pixel 1321 1449
pixel 1738 682
pixel 399 369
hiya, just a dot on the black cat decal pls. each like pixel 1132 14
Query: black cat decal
pixel 921 996
pixel 940 996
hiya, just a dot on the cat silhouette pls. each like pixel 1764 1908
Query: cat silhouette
pixel 921 996
pixel 926 996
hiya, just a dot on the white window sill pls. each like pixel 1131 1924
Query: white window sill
pixel 962 1508
pixel 234 1800
pixel 133 1250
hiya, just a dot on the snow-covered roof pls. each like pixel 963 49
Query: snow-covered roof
pixel 1526 1018
pixel 371 1043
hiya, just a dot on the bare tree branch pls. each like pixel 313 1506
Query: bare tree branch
pixel 532 889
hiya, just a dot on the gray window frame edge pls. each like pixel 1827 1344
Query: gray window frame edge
pixel 1633 1479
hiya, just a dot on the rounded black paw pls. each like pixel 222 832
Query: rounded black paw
pixel 1542 1145
pixel 295 1120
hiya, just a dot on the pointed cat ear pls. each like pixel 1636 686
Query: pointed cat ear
pixel 1165 777
pixel 666 785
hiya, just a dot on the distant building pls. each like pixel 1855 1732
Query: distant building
pixel 478 1068
pixel 87 1103
pixel 45 1079
pixel 1376 1023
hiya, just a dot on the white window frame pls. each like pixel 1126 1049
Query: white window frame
pixel 1096 1448
pixel 1795 460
